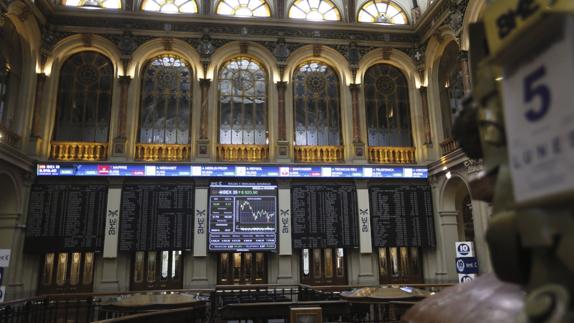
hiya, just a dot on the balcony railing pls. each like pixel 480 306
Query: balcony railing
pixel 448 146
pixel 392 155
pixel 163 152
pixel 66 150
pixel 316 154
pixel 251 153
pixel 9 137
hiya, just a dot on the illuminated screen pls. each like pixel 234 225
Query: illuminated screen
pixel 242 216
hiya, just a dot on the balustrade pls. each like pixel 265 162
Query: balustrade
pixel 66 150
pixel 163 152
pixel 319 154
pixel 392 155
pixel 251 153
pixel 448 146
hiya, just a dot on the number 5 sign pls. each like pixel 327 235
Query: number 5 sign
pixel 539 118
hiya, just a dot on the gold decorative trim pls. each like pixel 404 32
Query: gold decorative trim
pixel 251 153
pixel 448 146
pixel 315 154
pixel 163 152
pixel 68 150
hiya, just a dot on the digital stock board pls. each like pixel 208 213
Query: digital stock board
pixel 206 170
pixel 242 216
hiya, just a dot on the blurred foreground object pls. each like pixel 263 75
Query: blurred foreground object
pixel 485 299
pixel 522 55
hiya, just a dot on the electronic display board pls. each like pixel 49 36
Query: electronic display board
pixel 246 171
pixel 324 216
pixel 402 215
pixel 66 217
pixel 242 216
pixel 156 217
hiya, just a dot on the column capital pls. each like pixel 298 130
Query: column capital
pixel 281 85
pixel 355 86
pixel 125 79
pixel 204 82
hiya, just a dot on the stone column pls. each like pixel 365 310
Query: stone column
pixel 110 279
pixel 121 132
pixel 449 235
pixel 426 119
pixel 204 84
pixel 285 260
pixel 280 9
pixel 282 142
pixel 34 144
pixel 36 117
pixel 351 10
pixel 281 87
pixel 196 268
pixel 203 142
pixel 465 70
pixel 358 144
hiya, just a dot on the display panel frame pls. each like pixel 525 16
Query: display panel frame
pixel 237 210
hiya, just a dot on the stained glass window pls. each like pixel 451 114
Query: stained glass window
pixel 383 12
pixel 316 101
pixel 243 8
pixel 94 4
pixel 170 6
pixel 387 107
pixel 451 87
pixel 165 101
pixel 314 10
pixel 84 98
pixel 242 102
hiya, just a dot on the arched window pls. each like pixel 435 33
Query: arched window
pixel 314 10
pixel 242 102
pixel 84 98
pixel 387 107
pixel 94 4
pixel 243 8
pixel 165 101
pixel 170 6
pixel 383 12
pixel 165 104
pixel 451 87
pixel 316 101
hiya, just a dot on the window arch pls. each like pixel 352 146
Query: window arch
pixel 316 103
pixel 242 102
pixel 243 8
pixel 170 6
pixel 314 10
pixel 94 4
pixel 383 12
pixel 387 107
pixel 84 98
pixel 165 106
pixel 451 87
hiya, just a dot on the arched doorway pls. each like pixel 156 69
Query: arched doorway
pixel 457 200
